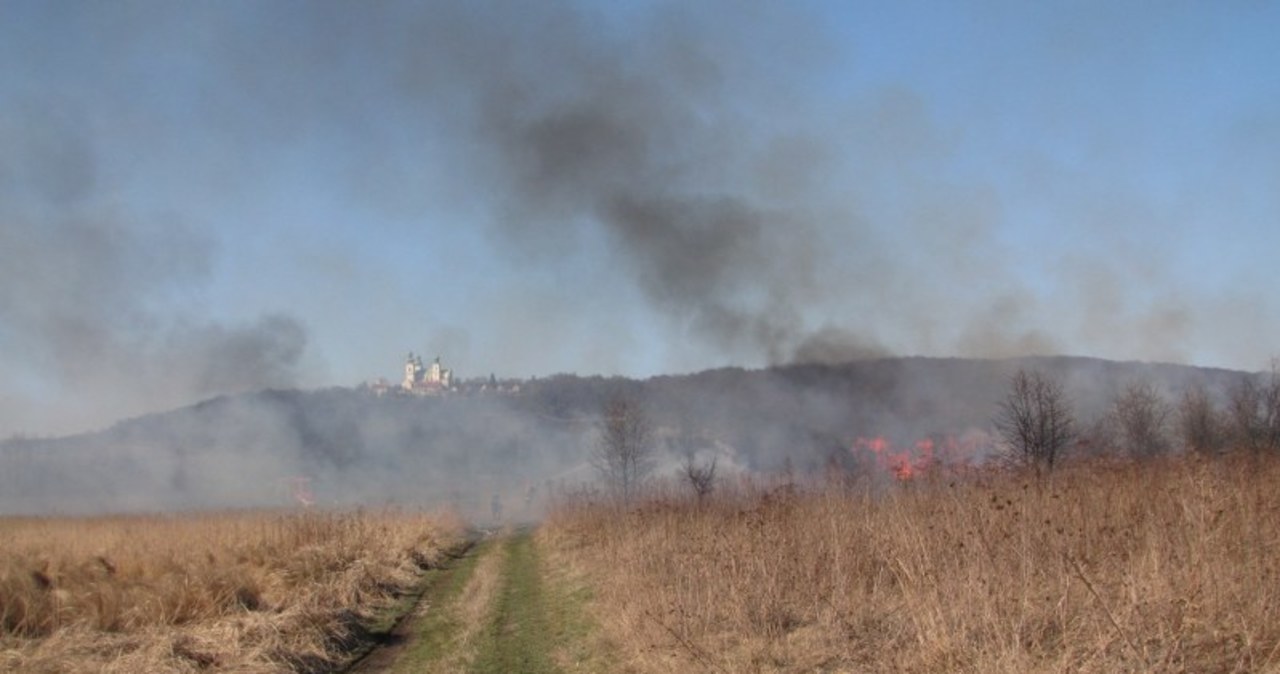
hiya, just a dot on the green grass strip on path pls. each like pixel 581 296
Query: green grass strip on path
pixel 520 635
pixel 536 621
pixel 437 629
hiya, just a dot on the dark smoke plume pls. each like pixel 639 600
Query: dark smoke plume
pixel 661 144
pixel 722 162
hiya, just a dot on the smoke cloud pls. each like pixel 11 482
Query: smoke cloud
pixel 557 186
pixel 93 296
pixel 661 143
pixel 681 144
pixel 761 225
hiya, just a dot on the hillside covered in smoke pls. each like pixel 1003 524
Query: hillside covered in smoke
pixel 351 447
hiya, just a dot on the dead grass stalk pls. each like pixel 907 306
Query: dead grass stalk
pixel 1110 566
pixel 256 591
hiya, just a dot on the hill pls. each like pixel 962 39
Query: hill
pixel 346 446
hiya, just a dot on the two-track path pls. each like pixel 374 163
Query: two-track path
pixel 499 608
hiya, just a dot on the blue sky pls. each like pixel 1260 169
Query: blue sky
pixel 199 198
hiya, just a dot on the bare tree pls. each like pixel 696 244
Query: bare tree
pixel 1254 412
pixel 1199 422
pixel 701 476
pixel 1141 417
pixel 1036 420
pixel 623 455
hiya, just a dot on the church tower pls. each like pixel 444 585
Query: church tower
pixel 433 373
pixel 412 372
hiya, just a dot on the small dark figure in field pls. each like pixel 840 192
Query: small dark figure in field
pixel 495 506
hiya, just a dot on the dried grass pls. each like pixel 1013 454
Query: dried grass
pixel 1154 566
pixel 250 592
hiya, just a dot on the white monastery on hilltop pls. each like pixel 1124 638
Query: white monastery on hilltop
pixel 433 379
pixel 425 380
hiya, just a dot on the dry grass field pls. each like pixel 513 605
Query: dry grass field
pixel 1108 567
pixel 245 592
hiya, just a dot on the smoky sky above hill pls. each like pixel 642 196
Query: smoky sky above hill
pixel 207 198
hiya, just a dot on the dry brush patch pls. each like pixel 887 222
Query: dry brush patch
pixel 249 592
pixel 1151 566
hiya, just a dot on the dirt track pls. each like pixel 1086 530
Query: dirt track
pixel 495 609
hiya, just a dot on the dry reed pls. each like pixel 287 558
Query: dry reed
pixel 1155 566
pixel 240 591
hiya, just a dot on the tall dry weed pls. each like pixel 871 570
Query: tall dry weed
pixel 246 591
pixel 1153 566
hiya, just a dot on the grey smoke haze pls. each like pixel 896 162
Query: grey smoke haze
pixel 675 145
pixel 347 447
pixel 761 224
pixel 354 448
pixel 530 188
pixel 93 296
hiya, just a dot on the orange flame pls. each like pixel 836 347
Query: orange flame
pixel 300 489
pixel 921 457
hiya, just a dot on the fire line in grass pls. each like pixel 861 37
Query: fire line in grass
pixel 925 456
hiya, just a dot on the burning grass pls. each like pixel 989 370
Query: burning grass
pixel 249 592
pixel 1154 566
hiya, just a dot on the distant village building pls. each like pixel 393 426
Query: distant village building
pixel 379 387
pixel 425 380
